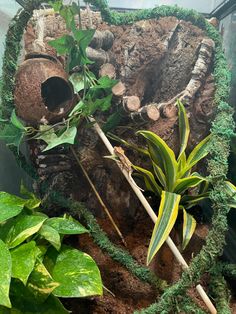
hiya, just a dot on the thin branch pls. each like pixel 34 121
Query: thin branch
pixel 104 207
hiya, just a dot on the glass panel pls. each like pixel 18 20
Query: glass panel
pixel 228 31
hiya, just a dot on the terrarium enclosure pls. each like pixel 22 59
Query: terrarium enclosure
pixel 117 157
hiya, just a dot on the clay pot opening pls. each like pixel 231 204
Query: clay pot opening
pixel 36 55
pixel 56 93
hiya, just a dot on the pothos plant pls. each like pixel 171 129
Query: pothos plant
pixel 36 267
pixel 173 180
pixel 95 94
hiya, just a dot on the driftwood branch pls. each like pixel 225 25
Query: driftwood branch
pixel 168 109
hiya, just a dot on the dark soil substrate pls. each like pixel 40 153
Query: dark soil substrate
pixel 130 293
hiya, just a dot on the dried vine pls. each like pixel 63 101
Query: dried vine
pixel 222 130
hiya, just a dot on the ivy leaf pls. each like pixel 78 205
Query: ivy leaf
pixel 68 15
pixel 16 122
pixel 101 104
pixel 75 8
pixel 74 58
pixel 77 80
pixel 23 260
pixel 113 121
pixel 5 275
pixel 77 274
pixel 79 107
pixel 56 5
pixel 53 140
pixel 63 45
pixel 83 38
pixel 105 83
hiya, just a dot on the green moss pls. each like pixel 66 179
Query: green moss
pixel 219 289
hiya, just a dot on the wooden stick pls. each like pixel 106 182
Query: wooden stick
pixel 153 216
pixel 98 197
pixel 109 70
pixel 118 90
pixel 131 103
pixel 146 113
pixel 98 56
pixel 102 39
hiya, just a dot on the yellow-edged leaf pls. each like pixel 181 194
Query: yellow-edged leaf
pixel 149 180
pixel 199 152
pixel 162 156
pixel 191 200
pixel 127 144
pixel 160 175
pixel 181 163
pixel 167 216
pixel 189 226
pixel 184 128
pixel 231 191
pixel 182 185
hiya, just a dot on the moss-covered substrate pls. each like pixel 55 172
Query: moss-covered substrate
pixel 222 131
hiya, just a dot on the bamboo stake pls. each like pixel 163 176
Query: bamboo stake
pixel 153 216
pixel 104 207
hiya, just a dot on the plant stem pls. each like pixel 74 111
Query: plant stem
pixel 80 21
pixel 104 207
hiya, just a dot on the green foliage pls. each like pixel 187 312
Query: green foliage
pixel 170 179
pixel 86 280
pixel 5 274
pixel 222 130
pixel 49 136
pixel 35 266
pixel 168 212
pixel 96 93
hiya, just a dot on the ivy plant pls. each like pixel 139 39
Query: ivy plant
pixel 36 267
pixel 94 94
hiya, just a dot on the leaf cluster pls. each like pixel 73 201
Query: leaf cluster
pixel 94 94
pixel 170 179
pixel 36 268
